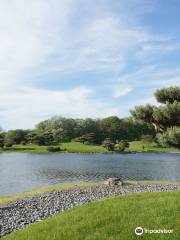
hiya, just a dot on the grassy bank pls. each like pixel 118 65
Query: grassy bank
pixel 139 146
pixel 72 147
pixel 111 219
pixel 75 147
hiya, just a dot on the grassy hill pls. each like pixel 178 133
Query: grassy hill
pixel 111 219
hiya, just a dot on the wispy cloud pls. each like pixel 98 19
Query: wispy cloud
pixel 40 38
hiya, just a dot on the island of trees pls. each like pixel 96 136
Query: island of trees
pixel 159 124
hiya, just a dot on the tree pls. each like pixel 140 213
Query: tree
pixel 35 138
pixel 109 144
pixel 111 127
pixel 165 118
pixel 169 95
pixel 89 138
pixel 15 136
pixel 170 138
pixel 161 117
pixel 1 139
pixel 81 139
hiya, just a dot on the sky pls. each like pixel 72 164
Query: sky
pixel 84 58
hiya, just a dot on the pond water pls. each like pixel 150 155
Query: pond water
pixel 23 172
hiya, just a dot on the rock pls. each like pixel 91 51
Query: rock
pixel 114 182
pixel 17 215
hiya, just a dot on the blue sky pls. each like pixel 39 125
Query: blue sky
pixel 84 58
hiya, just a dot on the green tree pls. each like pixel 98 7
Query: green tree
pixel 109 144
pixel 161 117
pixel 15 136
pixel 1 139
pixel 169 95
pixel 165 118
pixel 170 138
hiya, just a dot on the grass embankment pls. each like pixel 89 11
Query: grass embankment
pixel 75 147
pixel 139 146
pixel 111 219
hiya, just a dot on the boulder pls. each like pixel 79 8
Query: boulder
pixel 114 182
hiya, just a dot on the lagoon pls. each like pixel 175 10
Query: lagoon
pixel 26 171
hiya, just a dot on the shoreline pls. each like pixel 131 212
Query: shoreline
pixel 86 152
pixel 21 213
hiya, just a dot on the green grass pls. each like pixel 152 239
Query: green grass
pixel 137 146
pixel 72 147
pixel 75 147
pixel 111 219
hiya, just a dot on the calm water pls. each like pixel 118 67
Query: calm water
pixel 23 172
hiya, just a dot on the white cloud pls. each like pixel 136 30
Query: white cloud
pixel 26 107
pixel 121 90
pixel 40 37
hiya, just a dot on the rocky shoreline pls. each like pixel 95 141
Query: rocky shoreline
pixel 19 214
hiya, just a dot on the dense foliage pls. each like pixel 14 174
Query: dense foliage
pixel 170 138
pixel 112 131
pixel 165 118
pixel 87 131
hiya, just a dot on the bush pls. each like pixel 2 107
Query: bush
pixel 121 146
pixel 53 149
pixel 170 138
pixel 9 144
pixel 109 144
pixel 24 142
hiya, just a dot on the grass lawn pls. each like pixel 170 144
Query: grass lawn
pixel 76 147
pixel 79 147
pixel 111 219
pixel 73 147
pixel 137 146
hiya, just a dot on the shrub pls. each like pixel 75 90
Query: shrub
pixel 109 144
pixel 53 149
pixel 122 145
pixel 8 144
pixel 170 138
pixel 24 142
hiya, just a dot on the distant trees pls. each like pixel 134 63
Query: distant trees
pixel 90 131
pixel 165 118
pixel 1 139
pixel 15 137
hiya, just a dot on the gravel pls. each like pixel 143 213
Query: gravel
pixel 19 214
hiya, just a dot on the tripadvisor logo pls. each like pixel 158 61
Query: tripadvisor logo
pixel 139 231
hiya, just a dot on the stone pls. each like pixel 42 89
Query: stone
pixel 114 182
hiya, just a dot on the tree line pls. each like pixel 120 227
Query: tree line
pixel 161 123
pixel 88 131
